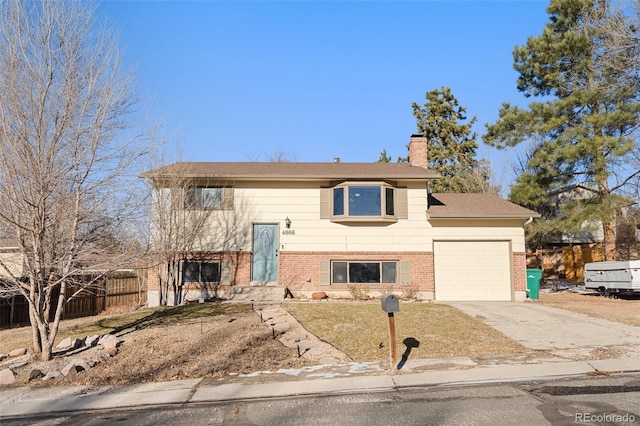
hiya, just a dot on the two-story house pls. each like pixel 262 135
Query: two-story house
pixel 336 226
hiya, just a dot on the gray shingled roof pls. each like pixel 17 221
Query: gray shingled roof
pixel 294 171
pixel 450 206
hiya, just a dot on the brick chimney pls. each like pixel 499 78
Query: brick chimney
pixel 418 150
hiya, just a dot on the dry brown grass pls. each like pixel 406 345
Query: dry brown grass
pixel 361 330
pixel 620 310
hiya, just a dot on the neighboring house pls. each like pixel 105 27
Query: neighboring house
pixel 590 232
pixel 11 259
pixel 337 226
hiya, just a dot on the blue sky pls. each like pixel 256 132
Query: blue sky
pixel 241 80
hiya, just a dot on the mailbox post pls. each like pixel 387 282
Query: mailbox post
pixel 390 304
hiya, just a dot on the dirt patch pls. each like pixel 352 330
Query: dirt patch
pixel 211 346
pixel 217 347
pixel 620 310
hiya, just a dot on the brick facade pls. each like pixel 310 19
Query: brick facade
pixel 301 270
pixel 240 264
pixel 519 271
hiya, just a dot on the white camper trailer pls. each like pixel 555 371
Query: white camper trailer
pixel 611 278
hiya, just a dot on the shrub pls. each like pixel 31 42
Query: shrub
pixel 357 293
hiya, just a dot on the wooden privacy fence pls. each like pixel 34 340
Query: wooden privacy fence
pixel 115 290
pixel 565 263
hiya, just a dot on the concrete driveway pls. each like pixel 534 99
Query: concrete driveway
pixel 558 331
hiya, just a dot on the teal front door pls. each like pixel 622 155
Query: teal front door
pixel 265 252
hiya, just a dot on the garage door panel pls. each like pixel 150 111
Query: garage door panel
pixel 472 270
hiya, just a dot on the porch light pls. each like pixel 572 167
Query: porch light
pixel 287 222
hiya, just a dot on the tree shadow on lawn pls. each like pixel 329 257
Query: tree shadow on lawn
pixel 122 325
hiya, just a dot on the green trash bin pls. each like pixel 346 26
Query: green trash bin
pixel 534 276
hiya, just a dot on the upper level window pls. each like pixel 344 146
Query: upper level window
pixel 364 202
pixel 215 198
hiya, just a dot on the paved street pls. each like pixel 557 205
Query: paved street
pixel 597 400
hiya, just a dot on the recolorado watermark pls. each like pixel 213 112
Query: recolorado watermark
pixel 585 418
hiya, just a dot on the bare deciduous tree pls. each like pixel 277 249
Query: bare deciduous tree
pixel 184 229
pixel 64 154
pixel 174 231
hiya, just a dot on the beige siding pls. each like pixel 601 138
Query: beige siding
pixel 269 202
pixel 11 264
pixel 468 229
pixel 259 203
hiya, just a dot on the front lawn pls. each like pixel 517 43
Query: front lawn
pixel 361 330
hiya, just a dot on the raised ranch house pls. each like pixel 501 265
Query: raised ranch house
pixel 335 227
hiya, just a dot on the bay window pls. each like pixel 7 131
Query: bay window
pixel 365 202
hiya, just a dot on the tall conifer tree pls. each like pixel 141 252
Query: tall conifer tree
pixel 583 69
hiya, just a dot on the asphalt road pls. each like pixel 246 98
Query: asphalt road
pixel 610 400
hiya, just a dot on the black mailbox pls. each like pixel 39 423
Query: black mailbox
pixel 390 303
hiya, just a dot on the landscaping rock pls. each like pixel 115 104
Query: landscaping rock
pixel 319 295
pixel 7 377
pixel 18 352
pixel 27 376
pixel 65 343
pixel 18 364
pixel 91 341
pixel 75 366
pixel 109 341
pixel 35 374
pixel 17 361
pixel 52 375
pixel 82 365
pixel 281 326
pixel 3 356
pixel 112 351
pixel 69 369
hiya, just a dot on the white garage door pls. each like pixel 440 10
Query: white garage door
pixel 472 270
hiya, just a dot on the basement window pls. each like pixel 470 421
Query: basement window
pixel 200 272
